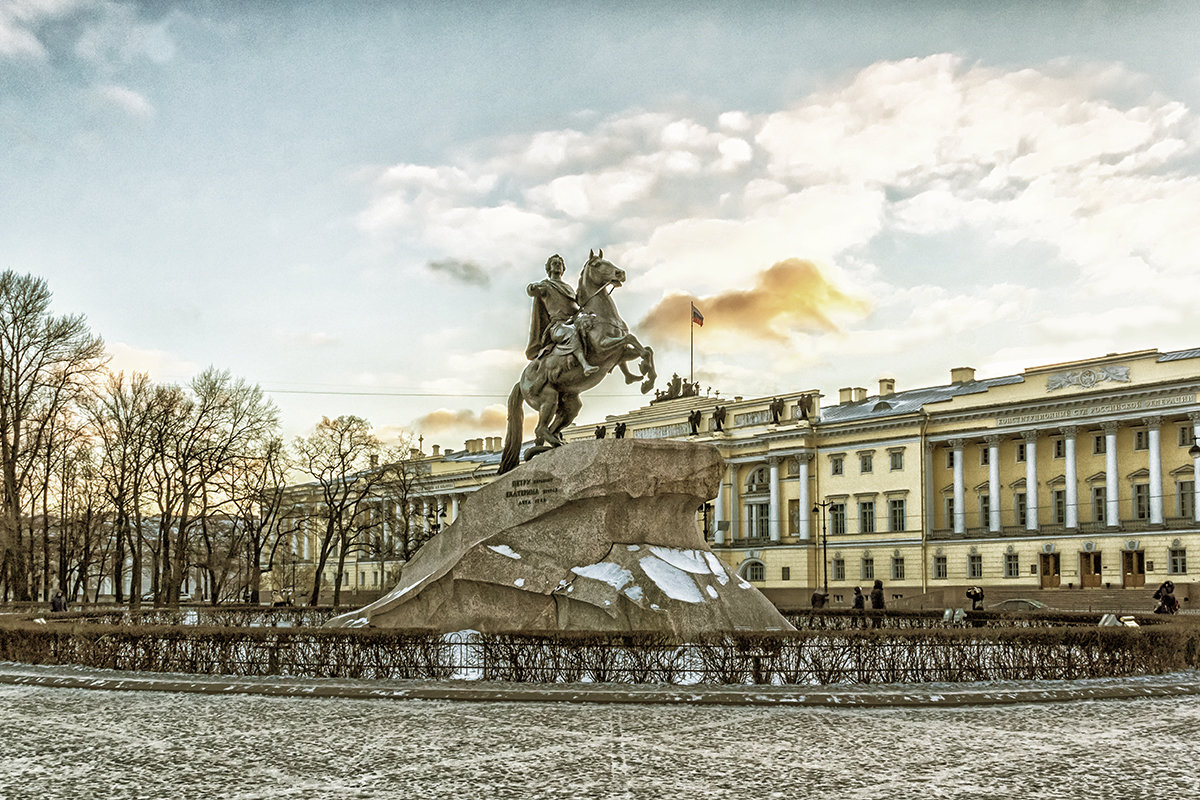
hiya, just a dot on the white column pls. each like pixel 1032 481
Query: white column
pixel 993 443
pixel 960 512
pixel 719 510
pixel 454 507
pixel 1031 481
pixel 1112 516
pixel 803 526
pixel 1071 477
pixel 773 509
pixel 1153 425
pixel 1195 418
pixel 425 516
pixel 734 516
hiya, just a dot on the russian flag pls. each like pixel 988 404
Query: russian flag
pixel 697 317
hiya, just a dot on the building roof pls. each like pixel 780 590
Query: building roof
pixel 909 402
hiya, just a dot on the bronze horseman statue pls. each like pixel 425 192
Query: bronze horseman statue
pixel 576 337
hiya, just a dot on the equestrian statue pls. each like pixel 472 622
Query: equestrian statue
pixel 576 337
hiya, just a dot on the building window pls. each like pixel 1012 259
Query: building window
pixel 939 568
pixel 1060 448
pixel 837 465
pixel 839 569
pixel 866 516
pixel 1020 452
pixel 896 460
pixel 1019 507
pixel 1059 497
pixel 1141 501
pixel 1177 561
pixel 837 519
pixel 787 573
pixel 1099 503
pixel 898 568
pixel 1186 491
pixel 866 462
pixel 1099 444
pixel 1012 565
pixel 755 571
pixel 868 569
pixel 985 456
pixel 985 510
pixel 974 566
pixel 1141 440
pixel 759 520
pixel 1187 435
pixel 897 514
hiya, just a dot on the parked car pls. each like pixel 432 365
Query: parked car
pixel 1019 604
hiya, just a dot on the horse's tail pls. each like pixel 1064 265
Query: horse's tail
pixel 511 455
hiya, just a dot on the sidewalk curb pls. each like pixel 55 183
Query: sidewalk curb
pixel 892 695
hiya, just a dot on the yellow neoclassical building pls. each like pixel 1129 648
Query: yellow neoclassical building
pixel 1071 476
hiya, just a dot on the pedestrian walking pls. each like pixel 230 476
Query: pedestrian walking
pixel 58 603
pixel 860 599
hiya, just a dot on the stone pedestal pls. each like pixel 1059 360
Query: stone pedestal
pixel 593 536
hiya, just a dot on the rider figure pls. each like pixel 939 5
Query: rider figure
pixel 568 339
pixel 554 317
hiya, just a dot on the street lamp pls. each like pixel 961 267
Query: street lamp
pixel 819 508
pixel 434 518
pixel 705 509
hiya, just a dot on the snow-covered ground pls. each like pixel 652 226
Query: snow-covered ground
pixel 79 744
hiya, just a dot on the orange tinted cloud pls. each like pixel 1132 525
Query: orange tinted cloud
pixel 468 423
pixel 792 294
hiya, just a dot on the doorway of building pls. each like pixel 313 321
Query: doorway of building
pixel 1133 569
pixel 1089 570
pixel 1050 570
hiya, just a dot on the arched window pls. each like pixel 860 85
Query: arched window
pixel 759 481
pixel 754 571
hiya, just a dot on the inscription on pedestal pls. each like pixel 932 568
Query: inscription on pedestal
pixel 532 491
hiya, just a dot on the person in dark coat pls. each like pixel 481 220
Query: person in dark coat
pixel 1165 595
pixel 818 599
pixel 975 595
pixel 58 602
pixel 859 599
pixel 877 596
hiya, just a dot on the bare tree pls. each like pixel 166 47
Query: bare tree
pixel 44 362
pixel 342 455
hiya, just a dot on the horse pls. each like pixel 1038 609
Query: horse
pixel 552 382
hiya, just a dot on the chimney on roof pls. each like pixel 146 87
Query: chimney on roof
pixel 492 446
pixel 962 374
pixel 887 387
pixel 437 449
pixel 845 394
pixel 858 394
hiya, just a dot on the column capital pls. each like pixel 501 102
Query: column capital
pixel 1111 428
pixel 1194 416
pixel 1153 423
pixel 1069 431
pixel 1029 436
pixel 957 444
pixel 993 440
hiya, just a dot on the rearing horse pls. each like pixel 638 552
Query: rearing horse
pixel 552 382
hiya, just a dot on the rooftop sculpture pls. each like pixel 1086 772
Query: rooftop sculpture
pixel 576 337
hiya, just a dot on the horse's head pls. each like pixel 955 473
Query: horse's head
pixel 599 272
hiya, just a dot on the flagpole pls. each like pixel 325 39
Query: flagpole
pixel 691 347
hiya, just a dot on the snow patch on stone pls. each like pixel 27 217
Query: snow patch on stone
pixel 716 568
pixel 504 550
pixel 614 575
pixel 711 592
pixel 635 593
pixel 674 582
pixel 687 560
pixel 519 582
pixel 633 548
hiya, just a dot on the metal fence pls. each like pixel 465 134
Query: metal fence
pixel 799 658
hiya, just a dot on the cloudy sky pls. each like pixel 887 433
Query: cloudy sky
pixel 344 202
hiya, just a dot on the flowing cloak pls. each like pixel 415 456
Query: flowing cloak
pixel 554 304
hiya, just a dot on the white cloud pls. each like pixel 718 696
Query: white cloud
pixel 127 100
pixel 159 364
pixel 1044 158
pixel 19 20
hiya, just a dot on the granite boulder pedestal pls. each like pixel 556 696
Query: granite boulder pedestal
pixel 598 535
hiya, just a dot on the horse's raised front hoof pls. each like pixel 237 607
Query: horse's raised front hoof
pixel 647 385
pixel 633 379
